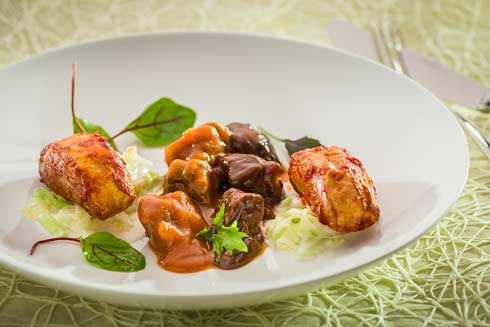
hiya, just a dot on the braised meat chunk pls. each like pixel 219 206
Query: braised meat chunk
pixel 336 186
pixel 245 138
pixel 237 259
pixel 171 222
pixel 84 168
pixel 247 209
pixel 250 173
pixel 195 177
pixel 204 143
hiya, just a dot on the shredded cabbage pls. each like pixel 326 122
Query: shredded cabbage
pixel 60 217
pixel 144 178
pixel 297 229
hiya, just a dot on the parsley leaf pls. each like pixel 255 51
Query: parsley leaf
pixel 232 238
pixel 227 238
pixel 205 233
pixel 220 216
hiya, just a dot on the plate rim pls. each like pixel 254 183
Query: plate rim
pixel 38 274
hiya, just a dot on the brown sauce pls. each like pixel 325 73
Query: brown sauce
pixel 171 222
pixel 203 143
pixel 202 164
pixel 185 258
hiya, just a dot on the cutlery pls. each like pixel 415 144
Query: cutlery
pixel 439 79
pixel 385 45
pixel 390 48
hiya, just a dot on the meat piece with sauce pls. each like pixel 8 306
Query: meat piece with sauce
pixel 195 177
pixel 247 209
pixel 250 173
pixel 171 222
pixel 204 143
pixel 336 186
pixel 84 168
pixel 239 259
pixel 245 138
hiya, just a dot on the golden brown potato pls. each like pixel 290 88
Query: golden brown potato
pixel 336 187
pixel 204 143
pixel 84 168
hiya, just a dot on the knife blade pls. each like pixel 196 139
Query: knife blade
pixel 439 79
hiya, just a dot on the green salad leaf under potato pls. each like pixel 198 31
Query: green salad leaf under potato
pixel 60 217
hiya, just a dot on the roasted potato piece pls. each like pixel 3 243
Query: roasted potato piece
pixel 336 187
pixel 171 222
pixel 250 173
pixel 203 143
pixel 245 138
pixel 195 177
pixel 84 168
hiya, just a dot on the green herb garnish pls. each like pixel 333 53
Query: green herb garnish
pixel 293 146
pixel 105 251
pixel 223 237
pixel 161 123
pixel 89 127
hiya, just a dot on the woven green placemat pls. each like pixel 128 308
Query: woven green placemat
pixel 441 279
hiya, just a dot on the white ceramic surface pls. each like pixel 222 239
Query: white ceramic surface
pixel 410 144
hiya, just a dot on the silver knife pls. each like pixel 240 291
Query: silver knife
pixel 439 79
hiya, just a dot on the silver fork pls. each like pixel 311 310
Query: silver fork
pixel 389 46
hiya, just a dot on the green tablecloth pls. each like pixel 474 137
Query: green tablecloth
pixel 442 279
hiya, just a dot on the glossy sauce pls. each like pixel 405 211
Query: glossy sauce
pixel 203 143
pixel 171 222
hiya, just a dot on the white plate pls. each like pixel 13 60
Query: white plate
pixel 410 144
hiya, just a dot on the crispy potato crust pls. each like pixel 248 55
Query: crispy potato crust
pixel 84 168
pixel 336 186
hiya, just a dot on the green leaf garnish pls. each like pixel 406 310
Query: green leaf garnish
pixel 293 146
pixel 220 216
pixel 233 238
pixel 227 238
pixel 161 123
pixel 50 198
pixel 205 233
pixel 90 127
pixel 108 252
pixel 105 251
pixel 300 144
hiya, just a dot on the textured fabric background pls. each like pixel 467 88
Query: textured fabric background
pixel 442 279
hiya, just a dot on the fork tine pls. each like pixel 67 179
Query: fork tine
pixel 396 37
pixel 381 51
pixel 386 37
pixel 393 45
pixel 382 48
